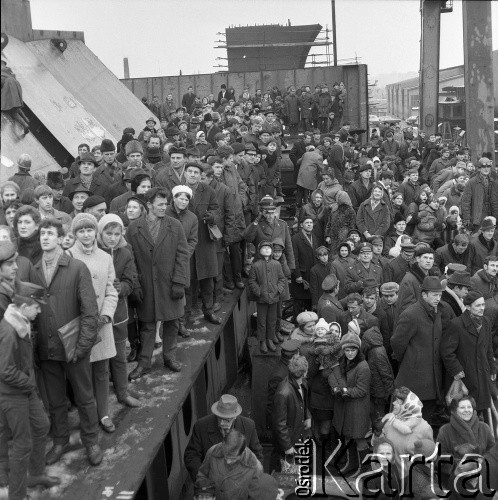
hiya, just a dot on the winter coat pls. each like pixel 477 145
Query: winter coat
pixel 458 432
pixel 69 295
pixel 339 223
pixel 24 180
pixel 389 148
pixel 101 268
pixel 17 373
pixel 297 152
pixel 359 193
pixel 206 433
pixel 225 215
pixel 232 482
pixel 484 283
pixel 240 197
pixel 317 274
pixel 476 199
pixel 357 274
pixel 329 308
pixel 352 415
pixel 310 170
pixel 464 348
pixel 30 247
pixel 324 103
pixel 159 265
pixel 415 345
pixel 266 281
pixel 291 108
pixel 305 259
pixel 446 255
pixel 482 249
pixel 396 269
pixel 306 103
pixel 98 187
pixel 409 191
pixel 262 231
pixel 126 273
pixel 318 215
pixel 382 378
pixel 168 178
pixel 375 221
pixel 290 410
pixel 205 261
pixel 189 223
pixel 449 298
pixel 409 288
pixel 339 267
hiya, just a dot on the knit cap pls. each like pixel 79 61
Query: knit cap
pixel 350 340
pixel 83 220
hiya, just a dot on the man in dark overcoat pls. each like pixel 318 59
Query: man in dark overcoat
pixel 416 342
pixel 212 429
pixel 204 262
pixel 162 257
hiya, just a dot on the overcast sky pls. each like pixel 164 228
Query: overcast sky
pixel 162 37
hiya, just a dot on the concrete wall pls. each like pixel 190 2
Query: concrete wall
pixel 353 76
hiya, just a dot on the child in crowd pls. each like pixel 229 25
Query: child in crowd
pixel 266 285
pixel 279 256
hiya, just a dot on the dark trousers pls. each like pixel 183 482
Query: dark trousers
pixel 428 409
pixel 206 287
pixel 148 337
pixel 79 375
pixel 232 267
pixel 302 196
pixel 218 281
pixel 100 380
pixel 22 418
pixel 117 364
pixel 278 323
pixel 266 321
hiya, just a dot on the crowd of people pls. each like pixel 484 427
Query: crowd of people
pixel 387 268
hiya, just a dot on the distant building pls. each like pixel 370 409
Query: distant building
pixel 403 97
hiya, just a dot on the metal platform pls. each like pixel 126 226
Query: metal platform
pixel 54 105
pixel 143 459
pixel 14 143
pixel 100 92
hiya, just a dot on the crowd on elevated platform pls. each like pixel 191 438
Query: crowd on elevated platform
pixel 388 270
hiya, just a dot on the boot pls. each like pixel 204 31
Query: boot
pixel 352 465
pixel 263 348
pixel 182 330
pixel 279 338
pixel 134 352
pixel 271 345
pixel 43 480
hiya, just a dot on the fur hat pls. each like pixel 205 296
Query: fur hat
pixel 83 220
pixel 398 217
pixel 106 146
pixel 55 180
pixel 471 297
pixel 182 189
pixel 306 317
pixel 133 147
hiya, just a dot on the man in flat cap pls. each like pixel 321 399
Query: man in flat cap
pixel 457 287
pixel 387 306
pixel 95 205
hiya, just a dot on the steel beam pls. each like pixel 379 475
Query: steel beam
pixel 478 76
pixel 429 66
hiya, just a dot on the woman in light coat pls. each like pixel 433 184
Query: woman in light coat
pixel 100 264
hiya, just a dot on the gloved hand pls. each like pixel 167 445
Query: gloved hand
pixel 208 218
pixel 177 291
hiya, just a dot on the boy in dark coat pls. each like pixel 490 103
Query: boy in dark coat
pixel 318 273
pixel 266 285
pixel 22 416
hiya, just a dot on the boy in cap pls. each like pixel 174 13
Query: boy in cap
pixel 22 416
pixel 266 284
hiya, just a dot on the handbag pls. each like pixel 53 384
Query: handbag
pixel 457 390
pixel 214 232
pixel 69 334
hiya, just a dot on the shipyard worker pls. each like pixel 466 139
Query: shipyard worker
pixel 162 258
pixel 23 178
pixel 12 102
pixel 213 429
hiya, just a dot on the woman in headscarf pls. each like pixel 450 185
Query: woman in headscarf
pixel 201 143
pixel 340 222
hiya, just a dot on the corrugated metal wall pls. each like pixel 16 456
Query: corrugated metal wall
pixel 353 76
